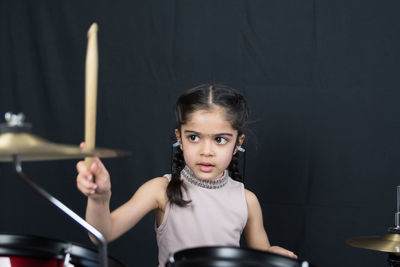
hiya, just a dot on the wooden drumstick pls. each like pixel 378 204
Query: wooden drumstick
pixel 91 72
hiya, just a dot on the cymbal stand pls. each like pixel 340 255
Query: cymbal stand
pixel 394 258
pixel 103 259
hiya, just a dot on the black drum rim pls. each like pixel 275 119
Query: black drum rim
pixel 226 253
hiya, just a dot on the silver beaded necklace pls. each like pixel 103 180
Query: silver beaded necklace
pixel 189 176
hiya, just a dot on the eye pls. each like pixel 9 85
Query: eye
pixel 193 138
pixel 220 140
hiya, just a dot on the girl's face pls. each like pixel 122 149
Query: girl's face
pixel 208 142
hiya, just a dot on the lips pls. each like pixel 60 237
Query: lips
pixel 205 167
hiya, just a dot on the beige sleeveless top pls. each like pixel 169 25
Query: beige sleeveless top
pixel 216 216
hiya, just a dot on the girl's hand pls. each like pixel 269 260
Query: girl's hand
pixel 94 183
pixel 282 251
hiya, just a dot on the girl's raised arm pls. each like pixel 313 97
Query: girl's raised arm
pixel 96 186
pixel 254 232
pixel 151 196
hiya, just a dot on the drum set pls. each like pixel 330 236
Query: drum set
pixel 18 144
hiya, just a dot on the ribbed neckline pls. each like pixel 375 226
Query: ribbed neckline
pixel 189 176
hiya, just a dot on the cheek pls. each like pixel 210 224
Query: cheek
pixel 187 154
pixel 226 157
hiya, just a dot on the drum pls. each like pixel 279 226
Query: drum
pixel 230 257
pixel 33 251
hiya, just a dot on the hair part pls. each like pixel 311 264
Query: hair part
pixel 210 95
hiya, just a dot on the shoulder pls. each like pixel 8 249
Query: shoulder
pixel 253 205
pixel 162 181
pixel 156 184
pixel 251 198
pixel 152 192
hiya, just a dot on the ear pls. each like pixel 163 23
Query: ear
pixel 241 140
pixel 178 138
pixel 239 143
pixel 178 135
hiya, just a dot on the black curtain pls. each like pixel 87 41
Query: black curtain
pixel 321 78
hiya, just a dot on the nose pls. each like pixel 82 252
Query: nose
pixel 207 148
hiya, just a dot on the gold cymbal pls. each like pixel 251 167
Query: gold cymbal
pixel 386 243
pixel 30 147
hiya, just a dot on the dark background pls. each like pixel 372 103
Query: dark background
pixel 321 78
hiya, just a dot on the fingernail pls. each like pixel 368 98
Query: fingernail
pixel 94 186
pixel 92 192
pixel 90 177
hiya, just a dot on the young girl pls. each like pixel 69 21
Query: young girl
pixel 202 203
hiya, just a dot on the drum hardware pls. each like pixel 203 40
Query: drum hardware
pixel 66 260
pixel 67 257
pixel 389 242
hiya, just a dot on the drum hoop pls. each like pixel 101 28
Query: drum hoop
pixel 229 252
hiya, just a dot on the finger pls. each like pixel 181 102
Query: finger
pixel 86 182
pixel 82 170
pixel 86 191
pixel 81 167
pixel 82 145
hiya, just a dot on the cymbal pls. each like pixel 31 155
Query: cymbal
pixel 30 147
pixel 387 243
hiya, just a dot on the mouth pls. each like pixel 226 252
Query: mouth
pixel 205 167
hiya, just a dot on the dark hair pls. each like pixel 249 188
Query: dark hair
pixel 205 97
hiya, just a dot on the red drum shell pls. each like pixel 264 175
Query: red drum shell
pixel 13 261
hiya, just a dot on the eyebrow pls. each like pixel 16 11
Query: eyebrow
pixel 197 133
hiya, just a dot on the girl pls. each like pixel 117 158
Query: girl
pixel 199 204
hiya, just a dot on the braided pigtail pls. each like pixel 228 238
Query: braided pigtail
pixel 234 168
pixel 175 186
